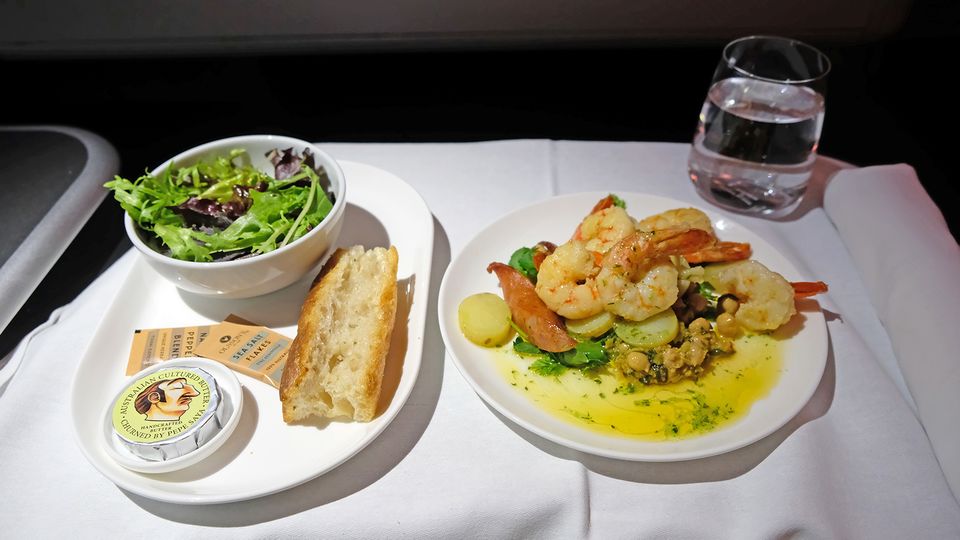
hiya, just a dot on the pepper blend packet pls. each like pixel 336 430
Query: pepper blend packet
pixel 154 345
pixel 253 350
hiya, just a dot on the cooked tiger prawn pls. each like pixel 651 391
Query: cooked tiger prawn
pixel 604 228
pixel 689 218
pixel 717 251
pixel 566 281
pixel 766 299
pixel 637 279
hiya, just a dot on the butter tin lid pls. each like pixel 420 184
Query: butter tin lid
pixel 172 415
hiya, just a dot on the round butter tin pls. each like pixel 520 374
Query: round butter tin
pixel 172 415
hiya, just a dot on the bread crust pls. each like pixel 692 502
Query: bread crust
pixel 315 325
pixel 297 359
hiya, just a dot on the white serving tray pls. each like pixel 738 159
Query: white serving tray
pixel 264 455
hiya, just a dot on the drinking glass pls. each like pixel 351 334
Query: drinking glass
pixel 760 124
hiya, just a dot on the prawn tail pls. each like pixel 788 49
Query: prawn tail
pixel 720 252
pixel 603 204
pixel 806 289
pixel 678 241
pixel 628 254
pixel 543 327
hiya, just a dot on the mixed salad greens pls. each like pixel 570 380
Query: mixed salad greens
pixel 227 209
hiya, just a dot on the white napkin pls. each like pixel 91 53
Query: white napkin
pixel 910 265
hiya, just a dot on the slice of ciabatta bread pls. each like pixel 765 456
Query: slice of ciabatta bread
pixel 335 365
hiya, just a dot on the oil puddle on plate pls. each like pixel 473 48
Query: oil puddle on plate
pixel 604 403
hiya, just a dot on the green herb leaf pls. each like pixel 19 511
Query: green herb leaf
pixel 617 201
pixel 547 366
pixel 586 354
pixel 520 346
pixel 522 261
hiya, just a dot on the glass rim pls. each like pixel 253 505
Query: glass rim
pixel 791 41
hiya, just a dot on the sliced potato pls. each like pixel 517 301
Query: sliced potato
pixel 693 273
pixel 651 332
pixel 592 327
pixel 485 319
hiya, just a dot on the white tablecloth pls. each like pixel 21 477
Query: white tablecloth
pixel 855 462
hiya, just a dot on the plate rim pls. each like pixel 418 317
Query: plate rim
pixel 443 312
pixel 423 273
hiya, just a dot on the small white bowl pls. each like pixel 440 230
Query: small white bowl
pixel 261 274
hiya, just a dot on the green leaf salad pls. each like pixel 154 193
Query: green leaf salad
pixel 226 209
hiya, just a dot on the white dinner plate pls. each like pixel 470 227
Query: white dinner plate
pixel 804 354
pixel 264 455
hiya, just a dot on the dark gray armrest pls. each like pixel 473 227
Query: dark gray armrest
pixel 51 178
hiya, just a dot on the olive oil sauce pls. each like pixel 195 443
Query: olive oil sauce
pixel 605 403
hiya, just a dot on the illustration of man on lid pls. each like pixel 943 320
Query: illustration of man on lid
pixel 166 400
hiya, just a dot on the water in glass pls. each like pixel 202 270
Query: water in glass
pixel 756 143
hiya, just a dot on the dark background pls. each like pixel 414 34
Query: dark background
pixel 887 101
